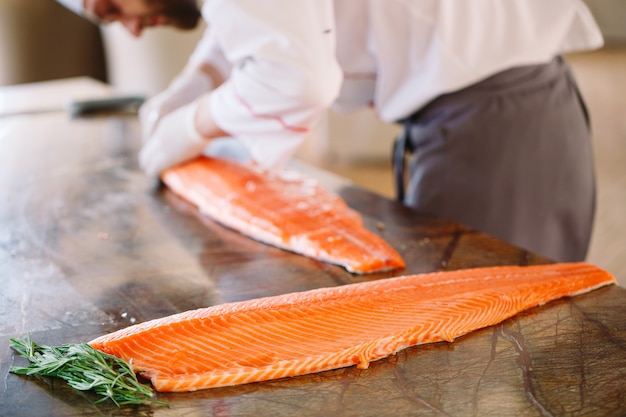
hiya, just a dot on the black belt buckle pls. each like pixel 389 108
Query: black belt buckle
pixel 401 147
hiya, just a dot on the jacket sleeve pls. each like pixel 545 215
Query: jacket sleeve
pixel 283 71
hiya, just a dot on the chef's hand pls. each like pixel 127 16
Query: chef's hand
pixel 187 87
pixel 175 140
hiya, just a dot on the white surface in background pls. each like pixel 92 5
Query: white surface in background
pixel 49 95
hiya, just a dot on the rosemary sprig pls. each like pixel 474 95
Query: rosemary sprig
pixel 85 368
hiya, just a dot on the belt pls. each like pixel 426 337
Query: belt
pixel 402 147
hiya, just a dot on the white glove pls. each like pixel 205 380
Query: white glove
pixel 184 89
pixel 174 140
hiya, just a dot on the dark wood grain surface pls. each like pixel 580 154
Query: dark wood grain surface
pixel 89 245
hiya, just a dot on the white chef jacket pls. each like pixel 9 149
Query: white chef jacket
pixel 286 61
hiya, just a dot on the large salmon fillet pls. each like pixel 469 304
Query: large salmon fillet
pixel 328 328
pixel 284 210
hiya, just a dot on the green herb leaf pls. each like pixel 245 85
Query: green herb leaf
pixel 85 368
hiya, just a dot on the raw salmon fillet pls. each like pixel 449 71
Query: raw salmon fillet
pixel 328 328
pixel 284 210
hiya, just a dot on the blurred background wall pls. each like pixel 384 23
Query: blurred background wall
pixel 41 40
pixel 147 64
pixel 611 16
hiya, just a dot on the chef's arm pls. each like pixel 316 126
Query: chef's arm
pixel 205 70
pixel 169 120
pixel 283 75
pixel 204 122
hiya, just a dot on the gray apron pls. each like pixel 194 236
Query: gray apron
pixel 510 156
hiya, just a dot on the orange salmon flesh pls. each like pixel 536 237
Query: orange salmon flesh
pixel 328 328
pixel 282 209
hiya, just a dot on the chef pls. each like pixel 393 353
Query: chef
pixel 496 134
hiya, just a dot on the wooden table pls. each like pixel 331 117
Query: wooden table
pixel 89 245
